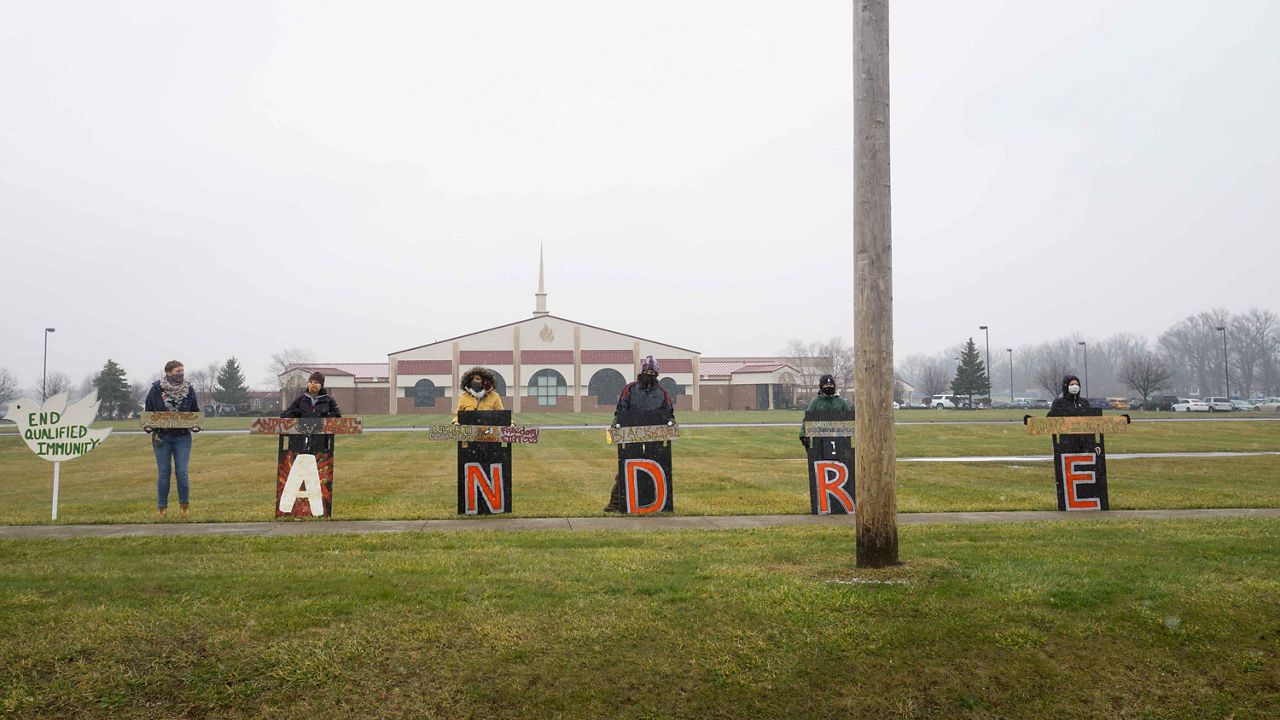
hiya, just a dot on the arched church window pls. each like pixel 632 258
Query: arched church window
pixel 606 385
pixel 547 385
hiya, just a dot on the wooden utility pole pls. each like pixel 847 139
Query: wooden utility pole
pixel 877 497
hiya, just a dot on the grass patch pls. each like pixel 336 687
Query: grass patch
pixel 1169 619
pixel 727 471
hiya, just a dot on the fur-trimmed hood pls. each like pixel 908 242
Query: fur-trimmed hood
pixel 486 377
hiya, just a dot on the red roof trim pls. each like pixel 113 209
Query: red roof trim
pixel 424 367
pixel 486 357
pixel 547 357
pixel 608 357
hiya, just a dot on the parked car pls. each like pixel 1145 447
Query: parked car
pixel 1190 405
pixel 1118 403
pixel 1099 403
pixel 1268 404
pixel 1243 405
pixel 940 402
pixel 897 405
pixel 1159 402
pixel 1219 404
pixel 1040 404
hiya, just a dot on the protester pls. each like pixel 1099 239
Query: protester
pixel 314 402
pixel 172 446
pixel 1070 402
pixel 826 401
pixel 478 392
pixel 646 393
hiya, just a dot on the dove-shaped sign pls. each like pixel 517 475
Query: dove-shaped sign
pixel 55 431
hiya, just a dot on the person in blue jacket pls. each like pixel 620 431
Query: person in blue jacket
pixel 172 446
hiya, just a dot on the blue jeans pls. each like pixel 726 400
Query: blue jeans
pixel 177 447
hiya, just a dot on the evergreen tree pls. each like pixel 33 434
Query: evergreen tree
pixel 971 374
pixel 231 389
pixel 113 392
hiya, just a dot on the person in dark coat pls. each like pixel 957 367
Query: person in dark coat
pixel 646 393
pixel 172 393
pixel 1070 402
pixel 826 401
pixel 314 402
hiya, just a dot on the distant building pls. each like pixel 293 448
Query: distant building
pixel 547 363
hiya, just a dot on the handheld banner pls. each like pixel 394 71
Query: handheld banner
pixel 484 465
pixel 483 433
pixel 830 459
pixel 1079 457
pixel 58 432
pixel 645 465
pixel 304 461
pixel 307 426
pixel 642 434
pixel 165 420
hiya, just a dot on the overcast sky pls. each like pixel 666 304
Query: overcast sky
pixel 200 181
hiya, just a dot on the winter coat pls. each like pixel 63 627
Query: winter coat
pixel 1067 404
pixel 312 406
pixel 635 397
pixel 155 402
pixel 826 403
pixel 467 401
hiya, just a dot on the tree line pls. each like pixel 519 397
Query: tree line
pixel 1188 359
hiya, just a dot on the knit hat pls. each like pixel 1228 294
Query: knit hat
pixel 317 376
pixel 648 363
pixel 827 380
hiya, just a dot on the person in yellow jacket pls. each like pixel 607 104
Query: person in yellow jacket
pixel 478 392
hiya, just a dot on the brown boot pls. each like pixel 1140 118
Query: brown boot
pixel 182 510
pixel 615 497
pixel 160 513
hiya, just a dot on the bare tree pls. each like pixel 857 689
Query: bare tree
pixel 930 374
pixel 138 390
pixel 841 355
pixel 811 362
pixel 1144 372
pixel 56 382
pixel 1254 338
pixel 283 360
pixel 1195 351
pixel 1051 365
pixel 8 387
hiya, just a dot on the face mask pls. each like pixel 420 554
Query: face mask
pixel 477 394
pixel 176 379
pixel 477 386
pixel 648 380
pixel 828 391
pixel 1073 389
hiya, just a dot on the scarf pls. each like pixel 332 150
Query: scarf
pixel 174 394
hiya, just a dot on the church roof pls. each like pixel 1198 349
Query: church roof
pixel 374 370
pixel 537 319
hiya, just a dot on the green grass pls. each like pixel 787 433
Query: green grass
pixel 1158 619
pixel 569 473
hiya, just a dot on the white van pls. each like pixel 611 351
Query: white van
pixel 940 402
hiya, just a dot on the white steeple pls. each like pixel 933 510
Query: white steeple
pixel 541 295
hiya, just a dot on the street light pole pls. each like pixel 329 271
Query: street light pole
pixel 987 334
pixel 1010 351
pixel 1085 345
pixel 44 373
pixel 1226 370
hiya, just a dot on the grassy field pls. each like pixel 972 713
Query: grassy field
pixel 1158 619
pixel 751 470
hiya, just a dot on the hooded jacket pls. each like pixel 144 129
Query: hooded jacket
pixel 311 406
pixel 466 401
pixel 636 397
pixel 1068 404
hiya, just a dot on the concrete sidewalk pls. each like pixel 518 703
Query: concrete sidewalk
pixel 670 522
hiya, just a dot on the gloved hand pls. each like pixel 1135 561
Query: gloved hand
pixel 617 425
pixel 805 442
pixel 671 423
